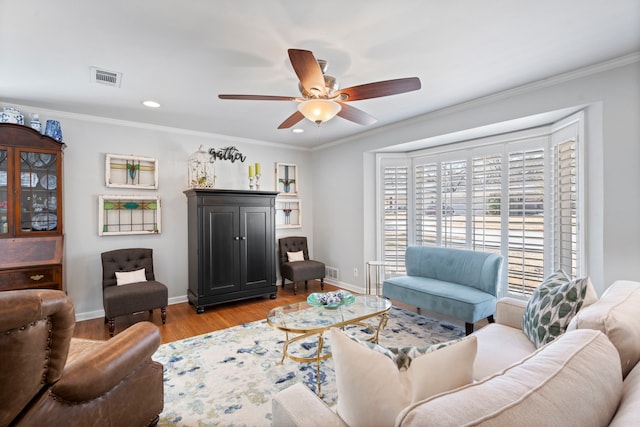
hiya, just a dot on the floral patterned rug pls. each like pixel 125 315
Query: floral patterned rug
pixel 228 377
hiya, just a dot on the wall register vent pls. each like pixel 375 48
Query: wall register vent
pixel 104 77
pixel 331 272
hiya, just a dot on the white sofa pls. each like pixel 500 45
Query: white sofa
pixel 590 376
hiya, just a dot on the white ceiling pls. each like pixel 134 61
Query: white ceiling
pixel 183 53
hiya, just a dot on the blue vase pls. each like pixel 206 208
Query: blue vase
pixel 53 130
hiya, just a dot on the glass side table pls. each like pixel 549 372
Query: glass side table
pixel 375 273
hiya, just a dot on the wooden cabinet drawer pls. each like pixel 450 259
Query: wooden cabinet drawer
pixel 49 277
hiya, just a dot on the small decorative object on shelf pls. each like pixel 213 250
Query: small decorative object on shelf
pixel 11 115
pixel 35 122
pixel 53 130
pixel 202 173
pixel 254 175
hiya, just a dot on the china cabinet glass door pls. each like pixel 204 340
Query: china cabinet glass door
pixel 4 193
pixel 38 192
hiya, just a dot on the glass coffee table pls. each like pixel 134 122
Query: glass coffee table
pixel 301 320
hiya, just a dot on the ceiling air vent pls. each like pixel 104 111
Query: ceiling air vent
pixel 109 78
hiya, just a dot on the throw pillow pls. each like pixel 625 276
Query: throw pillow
pixel 126 277
pixel 552 306
pixel 373 391
pixel 295 256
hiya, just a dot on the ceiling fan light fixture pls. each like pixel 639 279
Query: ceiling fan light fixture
pixel 319 110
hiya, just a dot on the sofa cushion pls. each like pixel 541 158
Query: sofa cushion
pixel 404 356
pixel 499 347
pixel 552 306
pixel 616 314
pixel 557 385
pixel 458 301
pixel 373 391
pixel 628 413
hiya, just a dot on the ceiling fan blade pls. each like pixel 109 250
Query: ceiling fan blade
pixel 379 89
pixel 291 120
pixel 258 97
pixel 308 71
pixel 356 115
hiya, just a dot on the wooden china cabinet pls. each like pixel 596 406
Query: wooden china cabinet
pixel 30 209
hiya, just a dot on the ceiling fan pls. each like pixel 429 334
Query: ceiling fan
pixel 322 99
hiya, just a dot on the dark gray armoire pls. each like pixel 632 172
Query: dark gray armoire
pixel 231 245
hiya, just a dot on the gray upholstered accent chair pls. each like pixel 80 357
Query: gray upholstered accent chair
pixel 298 271
pixel 134 297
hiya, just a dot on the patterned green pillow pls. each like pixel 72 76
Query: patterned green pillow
pixel 552 306
pixel 403 356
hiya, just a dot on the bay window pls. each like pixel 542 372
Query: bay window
pixel 515 194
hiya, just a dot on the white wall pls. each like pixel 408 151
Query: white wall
pixel 89 139
pixel 344 226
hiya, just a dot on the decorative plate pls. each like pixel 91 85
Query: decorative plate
pixel 28 179
pixel 330 300
pixel 44 221
pixel 39 159
pixel 49 182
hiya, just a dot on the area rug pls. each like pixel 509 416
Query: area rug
pixel 228 377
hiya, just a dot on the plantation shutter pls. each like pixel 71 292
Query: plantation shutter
pixel 565 219
pixel 453 196
pixel 426 201
pixel 486 203
pixel 526 220
pixel 395 225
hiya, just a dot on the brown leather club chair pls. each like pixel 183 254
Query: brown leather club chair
pixel 298 271
pixel 51 379
pixel 133 297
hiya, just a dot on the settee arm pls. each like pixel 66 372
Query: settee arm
pixel 299 406
pixel 509 312
pixel 94 373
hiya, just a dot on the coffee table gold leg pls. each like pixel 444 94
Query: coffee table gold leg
pixel 381 325
pixel 320 345
pixel 284 349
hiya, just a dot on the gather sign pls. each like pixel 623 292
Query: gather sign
pixel 227 153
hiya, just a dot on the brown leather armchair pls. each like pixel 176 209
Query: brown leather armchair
pixel 50 379
pixel 133 297
pixel 298 271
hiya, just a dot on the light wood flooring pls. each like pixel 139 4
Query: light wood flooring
pixel 184 322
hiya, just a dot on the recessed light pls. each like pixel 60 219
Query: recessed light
pixel 151 104
pixel 297 130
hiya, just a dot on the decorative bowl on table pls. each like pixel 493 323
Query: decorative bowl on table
pixel 330 300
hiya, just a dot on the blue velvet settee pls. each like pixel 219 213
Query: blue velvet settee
pixel 458 283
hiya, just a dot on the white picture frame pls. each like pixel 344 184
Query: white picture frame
pixel 287 179
pixel 129 214
pixel 288 213
pixel 129 171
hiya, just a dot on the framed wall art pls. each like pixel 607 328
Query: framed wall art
pixel 287 179
pixel 127 171
pixel 288 213
pixel 119 215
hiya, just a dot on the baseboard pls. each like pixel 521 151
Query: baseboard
pixel 97 314
pixel 344 285
pixel 88 315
